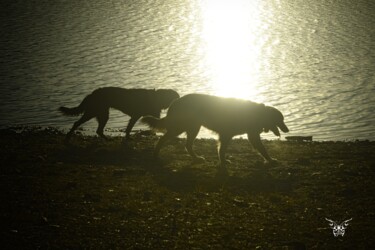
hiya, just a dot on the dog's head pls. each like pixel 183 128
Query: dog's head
pixel 165 97
pixel 272 120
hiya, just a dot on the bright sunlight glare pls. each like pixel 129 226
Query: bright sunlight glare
pixel 230 34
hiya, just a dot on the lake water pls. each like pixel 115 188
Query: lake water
pixel 312 59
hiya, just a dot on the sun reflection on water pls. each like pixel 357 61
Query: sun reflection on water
pixel 231 34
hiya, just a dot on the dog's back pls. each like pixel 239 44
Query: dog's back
pixel 133 101
pixel 216 113
pixel 128 101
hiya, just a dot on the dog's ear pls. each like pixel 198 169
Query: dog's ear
pixel 268 119
pixel 274 120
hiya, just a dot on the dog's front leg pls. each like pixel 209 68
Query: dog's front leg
pixel 258 145
pixel 130 126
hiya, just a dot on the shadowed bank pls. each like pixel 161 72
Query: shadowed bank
pixel 101 194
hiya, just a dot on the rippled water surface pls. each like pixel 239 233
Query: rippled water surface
pixel 313 60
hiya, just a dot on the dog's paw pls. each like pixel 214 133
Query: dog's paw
pixel 67 141
pixel 222 171
pixel 127 139
pixel 155 155
pixel 271 162
pixel 225 162
pixel 199 159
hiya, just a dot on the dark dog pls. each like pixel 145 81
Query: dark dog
pixel 133 102
pixel 226 116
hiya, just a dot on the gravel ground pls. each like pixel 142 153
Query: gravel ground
pixel 95 194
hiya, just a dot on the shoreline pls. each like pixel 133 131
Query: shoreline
pixel 121 132
pixel 103 194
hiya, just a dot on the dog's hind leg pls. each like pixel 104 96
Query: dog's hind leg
pixel 223 145
pixel 78 123
pixel 102 121
pixel 191 134
pixel 167 136
pixel 130 126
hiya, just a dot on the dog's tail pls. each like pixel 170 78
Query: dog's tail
pixel 155 123
pixel 76 110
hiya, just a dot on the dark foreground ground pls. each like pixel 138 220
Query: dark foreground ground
pixel 97 194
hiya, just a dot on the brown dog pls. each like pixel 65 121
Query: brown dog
pixel 133 102
pixel 226 116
